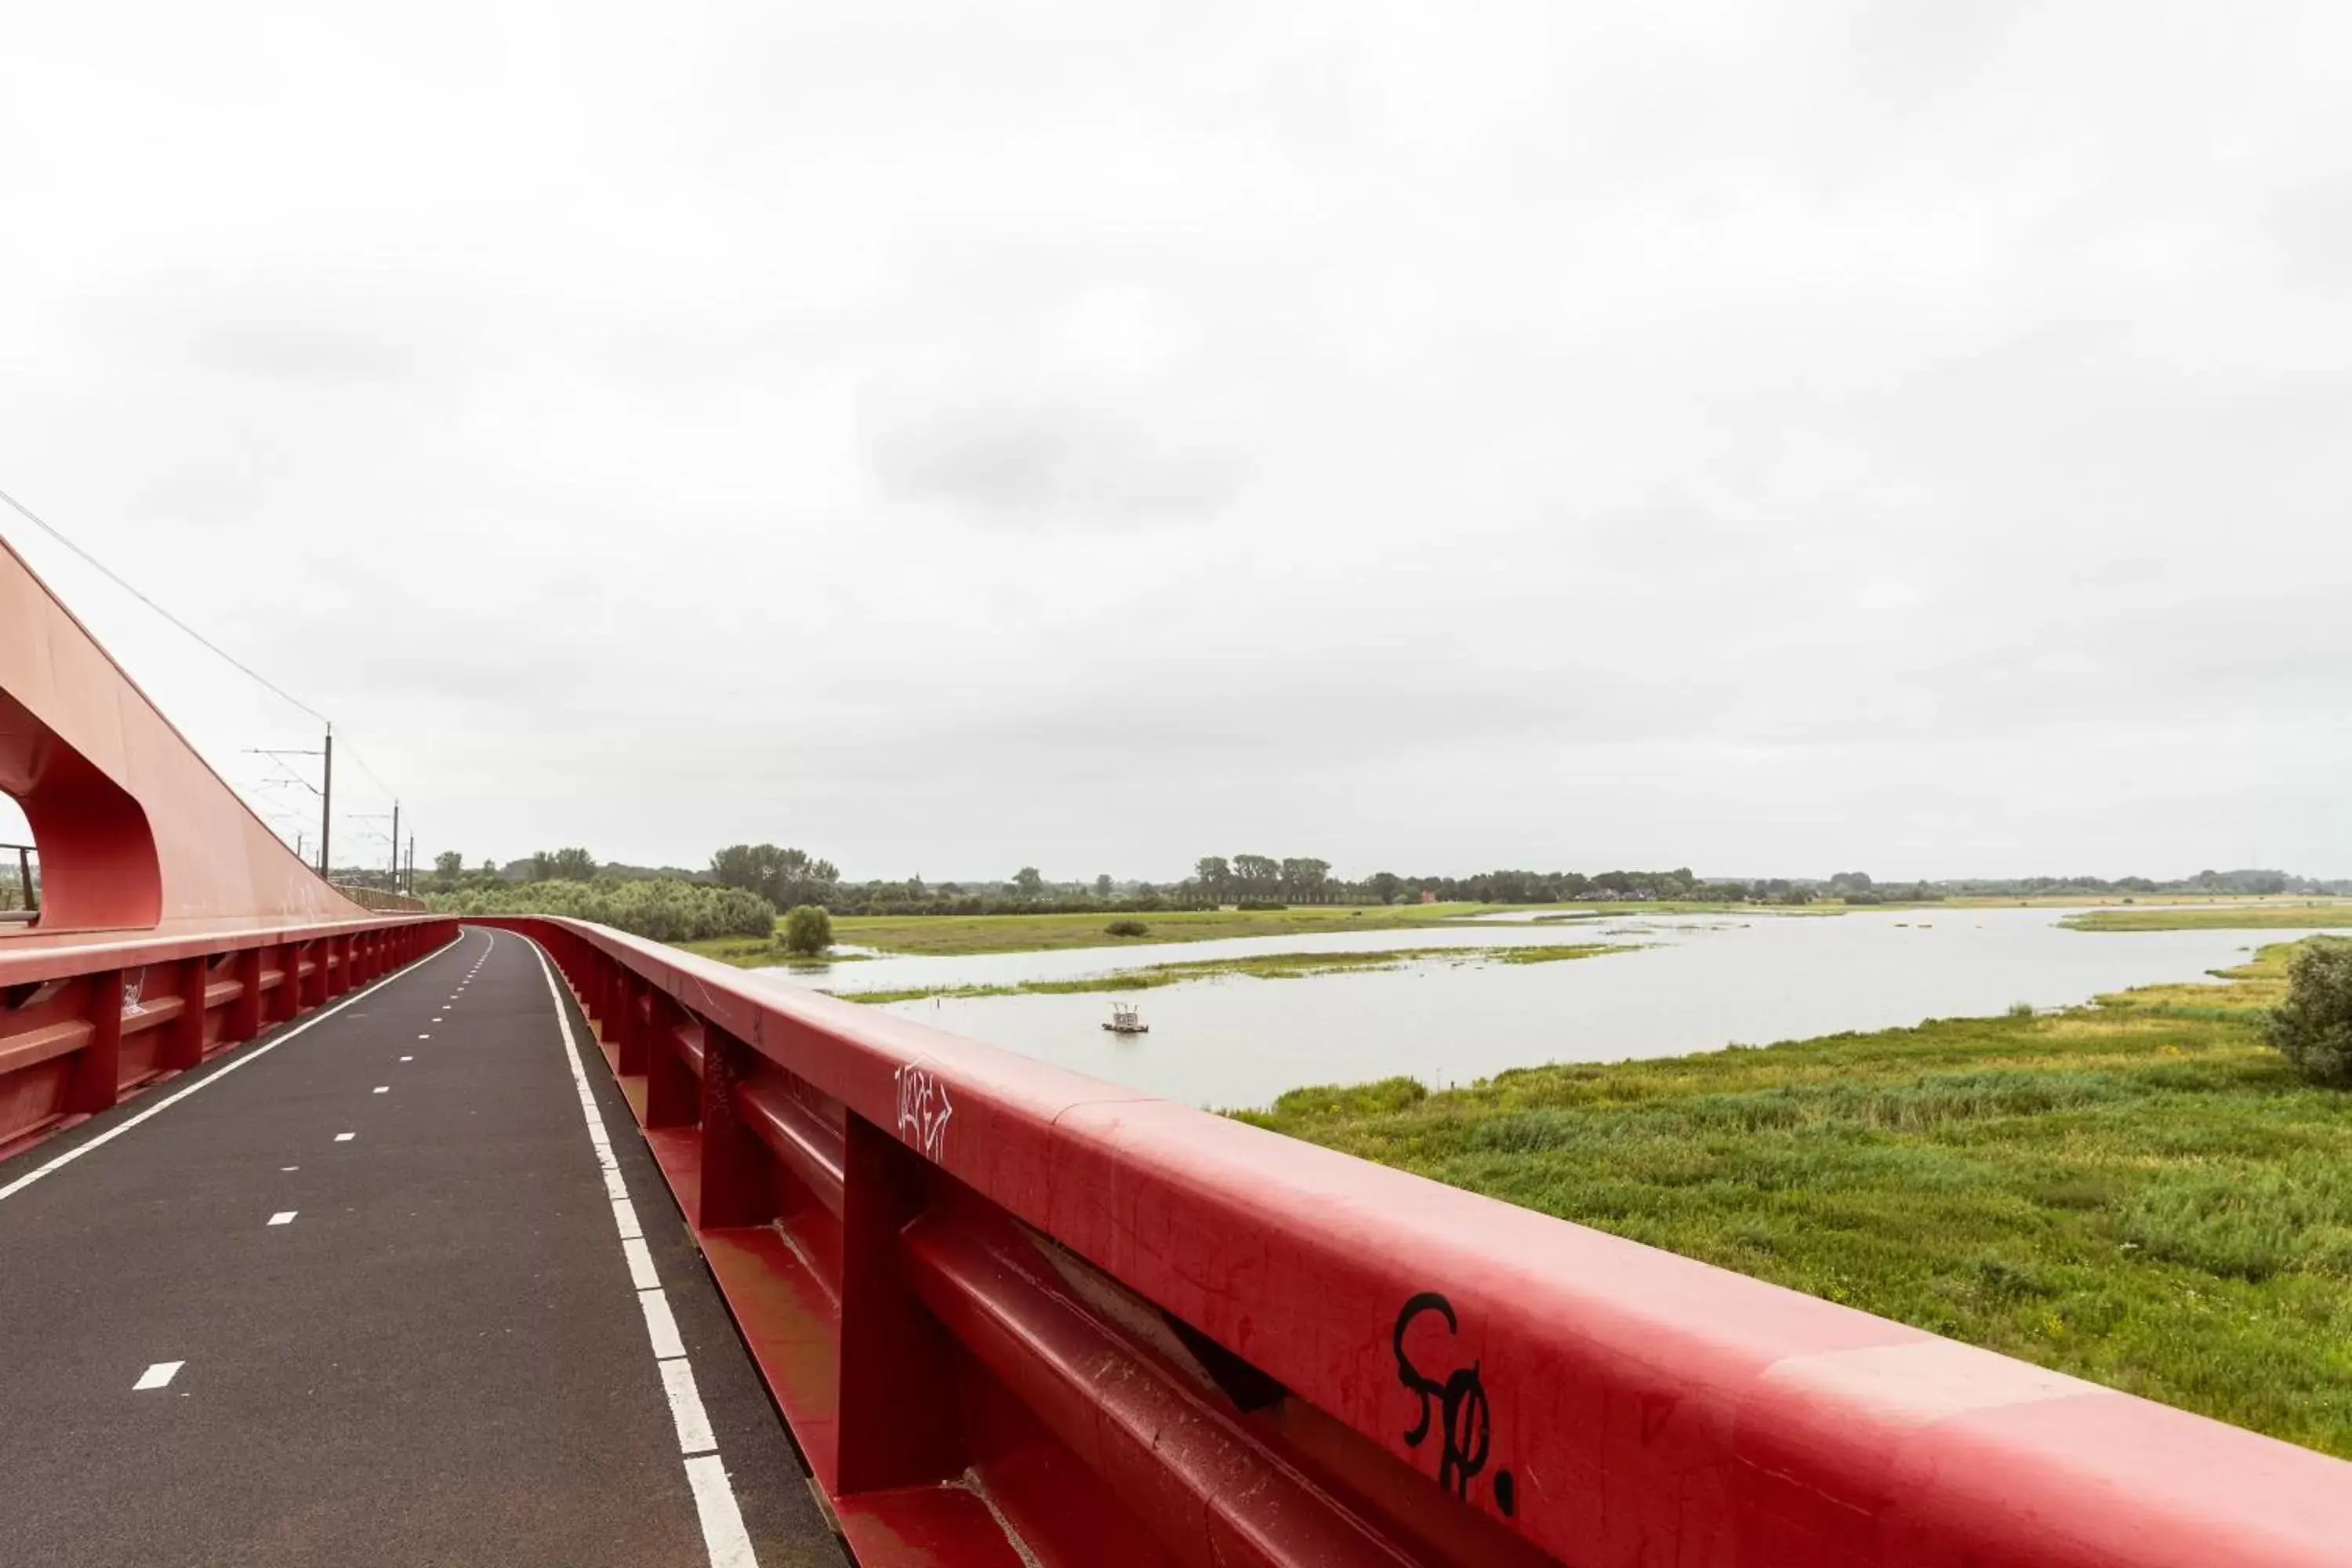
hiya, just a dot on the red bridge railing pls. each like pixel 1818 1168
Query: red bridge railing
pixel 1017 1316
pixel 83 1024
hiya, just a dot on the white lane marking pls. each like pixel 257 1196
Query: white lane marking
pixel 409 1058
pixel 722 1521
pixel 425 1037
pixel 160 1375
pixel 437 1018
pixel 343 1137
pixel 723 1535
pixel 381 1088
pixel 660 1327
pixel 289 1167
pixel 252 1054
pixel 693 1435
pixel 283 1217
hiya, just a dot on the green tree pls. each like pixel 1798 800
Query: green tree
pixel 573 865
pixel 1102 886
pixel 448 866
pixel 782 877
pixel 808 929
pixel 1028 882
pixel 1385 886
pixel 2313 1028
pixel 1215 876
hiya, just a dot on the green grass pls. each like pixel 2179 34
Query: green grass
pixel 954 935
pixel 2139 1192
pixel 1258 966
pixel 2217 917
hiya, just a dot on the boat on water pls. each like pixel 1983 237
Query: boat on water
pixel 1126 1018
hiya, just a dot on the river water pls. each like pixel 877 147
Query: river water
pixel 1699 981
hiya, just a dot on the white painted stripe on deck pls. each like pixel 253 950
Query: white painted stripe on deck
pixel 723 1535
pixel 283 1217
pixel 686 1408
pixel 160 1375
pixel 246 1055
pixel 722 1521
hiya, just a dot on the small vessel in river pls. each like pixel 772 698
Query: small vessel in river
pixel 1127 1019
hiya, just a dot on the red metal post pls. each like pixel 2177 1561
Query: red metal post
pixel 899 1424
pixel 245 1012
pixel 185 1047
pixel 97 1074
pixel 673 1092
pixel 734 1189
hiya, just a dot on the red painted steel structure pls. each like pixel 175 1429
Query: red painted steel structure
pixel 1017 1316
pixel 173 923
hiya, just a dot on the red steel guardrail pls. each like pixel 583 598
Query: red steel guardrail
pixel 83 1024
pixel 1016 1317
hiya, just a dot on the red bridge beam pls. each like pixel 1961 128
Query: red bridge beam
pixel 1000 1300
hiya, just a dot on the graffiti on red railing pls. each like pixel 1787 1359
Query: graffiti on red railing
pixel 923 1110
pixel 1460 1408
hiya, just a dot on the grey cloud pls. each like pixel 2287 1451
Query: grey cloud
pixel 1045 465
pixel 957 440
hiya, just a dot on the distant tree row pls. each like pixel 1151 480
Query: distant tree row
pixel 786 878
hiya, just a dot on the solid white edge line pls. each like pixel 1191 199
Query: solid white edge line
pixel 159 1375
pixel 723 1535
pixel 686 1408
pixel 248 1053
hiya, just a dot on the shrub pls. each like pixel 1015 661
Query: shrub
pixel 2020 1009
pixel 1260 904
pixel 665 910
pixel 2313 1028
pixel 1127 927
pixel 808 930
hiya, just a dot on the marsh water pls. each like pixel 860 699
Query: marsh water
pixel 1696 982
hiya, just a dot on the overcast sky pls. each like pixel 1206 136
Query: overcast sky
pixel 1777 439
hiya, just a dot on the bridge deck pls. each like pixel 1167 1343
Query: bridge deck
pixel 381 1248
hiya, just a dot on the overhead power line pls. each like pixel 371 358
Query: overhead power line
pixel 115 578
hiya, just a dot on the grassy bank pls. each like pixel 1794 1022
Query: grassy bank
pixel 1259 966
pixel 951 934
pixel 2217 917
pixel 2137 1192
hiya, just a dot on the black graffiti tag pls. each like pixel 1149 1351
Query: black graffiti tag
pixel 1458 1404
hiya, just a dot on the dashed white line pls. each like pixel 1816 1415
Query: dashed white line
pixel 660 1327
pixel 722 1522
pixel 381 1088
pixel 159 1375
pixel 252 1054
pixel 424 1037
pixel 409 1058
pixel 723 1535
pixel 693 1435
pixel 343 1137
pixel 289 1167
pixel 283 1217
